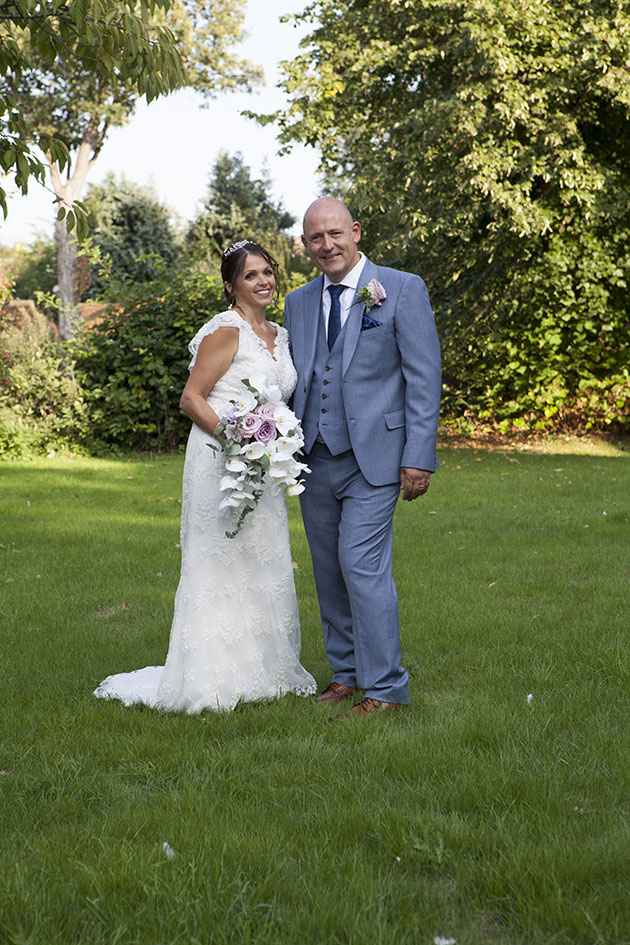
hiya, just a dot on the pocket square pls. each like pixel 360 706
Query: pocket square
pixel 367 322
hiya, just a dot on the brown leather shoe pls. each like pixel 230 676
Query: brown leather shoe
pixel 366 706
pixel 335 693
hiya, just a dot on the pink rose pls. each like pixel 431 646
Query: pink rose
pixel 250 424
pixel 377 291
pixel 267 411
pixel 266 432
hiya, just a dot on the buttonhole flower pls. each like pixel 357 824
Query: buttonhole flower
pixel 371 294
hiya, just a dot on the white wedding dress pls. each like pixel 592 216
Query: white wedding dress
pixel 235 633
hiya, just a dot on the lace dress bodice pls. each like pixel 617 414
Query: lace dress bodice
pixel 253 357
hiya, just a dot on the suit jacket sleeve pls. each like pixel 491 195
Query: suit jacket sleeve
pixel 419 348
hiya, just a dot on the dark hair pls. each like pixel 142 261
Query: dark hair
pixel 233 262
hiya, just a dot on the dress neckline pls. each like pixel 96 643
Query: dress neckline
pixel 262 343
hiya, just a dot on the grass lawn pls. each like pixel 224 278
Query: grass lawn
pixel 495 809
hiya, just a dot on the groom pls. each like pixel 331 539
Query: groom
pixel 365 346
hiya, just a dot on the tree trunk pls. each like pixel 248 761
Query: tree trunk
pixel 66 279
pixel 69 191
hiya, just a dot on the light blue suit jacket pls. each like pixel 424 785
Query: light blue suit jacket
pixel 391 373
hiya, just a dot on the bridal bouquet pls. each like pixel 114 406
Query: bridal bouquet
pixel 259 436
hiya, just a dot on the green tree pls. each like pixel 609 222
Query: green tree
pixel 239 206
pixel 132 228
pixel 86 73
pixel 485 144
pixel 32 267
pixel 235 197
pixel 110 40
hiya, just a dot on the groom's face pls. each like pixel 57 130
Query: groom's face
pixel 330 238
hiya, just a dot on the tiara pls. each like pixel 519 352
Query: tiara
pixel 232 249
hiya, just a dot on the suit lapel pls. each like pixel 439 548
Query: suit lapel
pixel 311 315
pixel 353 324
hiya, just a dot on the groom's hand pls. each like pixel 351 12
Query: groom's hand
pixel 413 482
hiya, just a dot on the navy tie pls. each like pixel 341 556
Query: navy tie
pixel 334 319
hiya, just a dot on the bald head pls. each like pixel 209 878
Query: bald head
pixel 327 205
pixel 331 236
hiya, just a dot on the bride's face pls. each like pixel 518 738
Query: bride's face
pixel 255 285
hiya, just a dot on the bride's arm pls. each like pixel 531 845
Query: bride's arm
pixel 216 353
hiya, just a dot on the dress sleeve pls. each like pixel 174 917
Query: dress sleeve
pixel 282 338
pixel 222 320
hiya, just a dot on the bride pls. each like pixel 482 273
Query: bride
pixel 235 633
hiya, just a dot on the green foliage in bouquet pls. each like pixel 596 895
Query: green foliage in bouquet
pixel 41 404
pixel 132 364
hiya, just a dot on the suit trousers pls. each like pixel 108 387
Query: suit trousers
pixel 349 529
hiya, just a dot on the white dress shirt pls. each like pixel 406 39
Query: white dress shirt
pixel 351 281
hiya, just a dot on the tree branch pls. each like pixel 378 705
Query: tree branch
pixel 55 177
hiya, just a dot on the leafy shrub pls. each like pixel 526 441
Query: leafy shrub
pixel 35 268
pixel 6 285
pixel 554 357
pixel 132 363
pixel 41 405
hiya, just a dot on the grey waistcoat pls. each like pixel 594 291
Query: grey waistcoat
pixel 325 412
